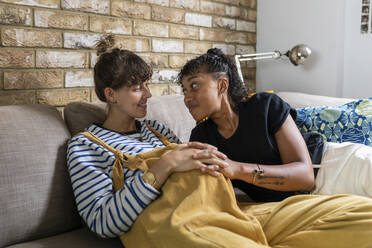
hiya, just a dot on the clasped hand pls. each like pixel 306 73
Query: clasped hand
pixel 215 162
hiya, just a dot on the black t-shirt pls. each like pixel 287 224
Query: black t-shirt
pixel 260 117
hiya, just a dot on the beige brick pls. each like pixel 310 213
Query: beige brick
pixel 212 34
pixel 33 79
pixel 52 59
pixel 80 40
pixel 186 4
pixel 249 73
pixel 16 58
pixel 36 3
pixel 240 49
pixel 159 89
pixel 129 9
pixel 15 15
pixel 241 38
pixel 233 11
pixel 59 19
pixel 110 25
pixel 164 76
pixel 94 97
pixel 252 38
pixel 221 22
pixel 145 28
pixel 196 47
pixel 178 61
pixel 246 26
pixel 168 14
pixel 62 97
pixel 79 78
pixel 95 6
pixel 248 3
pixel 241 12
pixel 1 80
pixel 184 32
pixel 17 97
pixel 133 44
pixel 175 89
pixel 93 59
pixel 155 60
pixel 198 19
pixel 248 64
pixel 212 7
pixel 158 2
pixel 233 2
pixel 171 46
pixel 31 38
pixel 226 49
pixel 251 15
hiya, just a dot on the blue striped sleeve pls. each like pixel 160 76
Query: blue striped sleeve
pixel 106 213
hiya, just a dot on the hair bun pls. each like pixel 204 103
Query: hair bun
pixel 105 44
pixel 216 51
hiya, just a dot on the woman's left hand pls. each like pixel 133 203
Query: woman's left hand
pixel 231 171
pixel 209 156
pixel 206 151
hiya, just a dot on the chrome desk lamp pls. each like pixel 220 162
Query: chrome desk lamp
pixel 297 55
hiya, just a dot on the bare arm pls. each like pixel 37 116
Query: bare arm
pixel 294 174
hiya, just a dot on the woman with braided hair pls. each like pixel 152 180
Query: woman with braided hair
pixel 258 134
pixel 268 157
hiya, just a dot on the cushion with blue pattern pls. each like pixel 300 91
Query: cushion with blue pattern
pixel 351 122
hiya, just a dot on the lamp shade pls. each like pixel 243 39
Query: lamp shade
pixel 298 54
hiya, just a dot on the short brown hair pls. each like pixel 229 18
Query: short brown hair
pixel 117 68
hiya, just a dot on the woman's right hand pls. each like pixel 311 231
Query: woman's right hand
pixel 181 159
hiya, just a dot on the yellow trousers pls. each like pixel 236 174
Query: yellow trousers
pixel 200 211
pixel 312 221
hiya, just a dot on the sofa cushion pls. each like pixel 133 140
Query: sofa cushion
pixel 35 190
pixel 80 115
pixel 76 239
pixel 169 110
pixel 302 100
pixel 351 122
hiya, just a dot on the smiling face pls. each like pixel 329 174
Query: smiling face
pixel 131 100
pixel 201 95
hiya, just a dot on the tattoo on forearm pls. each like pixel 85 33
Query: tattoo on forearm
pixel 262 176
pixel 279 180
pixel 274 183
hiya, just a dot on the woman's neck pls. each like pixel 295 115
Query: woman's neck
pixel 119 122
pixel 226 119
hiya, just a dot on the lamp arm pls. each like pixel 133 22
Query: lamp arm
pixel 257 56
pixel 254 56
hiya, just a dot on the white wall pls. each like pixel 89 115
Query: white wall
pixel 358 54
pixel 319 24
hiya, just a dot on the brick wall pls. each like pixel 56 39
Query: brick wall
pixel 46 46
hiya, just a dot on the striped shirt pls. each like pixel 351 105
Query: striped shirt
pixel 90 166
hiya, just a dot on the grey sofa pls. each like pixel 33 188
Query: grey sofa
pixel 37 207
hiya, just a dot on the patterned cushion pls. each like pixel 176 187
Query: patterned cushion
pixel 350 122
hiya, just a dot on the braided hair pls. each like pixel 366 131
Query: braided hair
pixel 215 61
pixel 116 68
